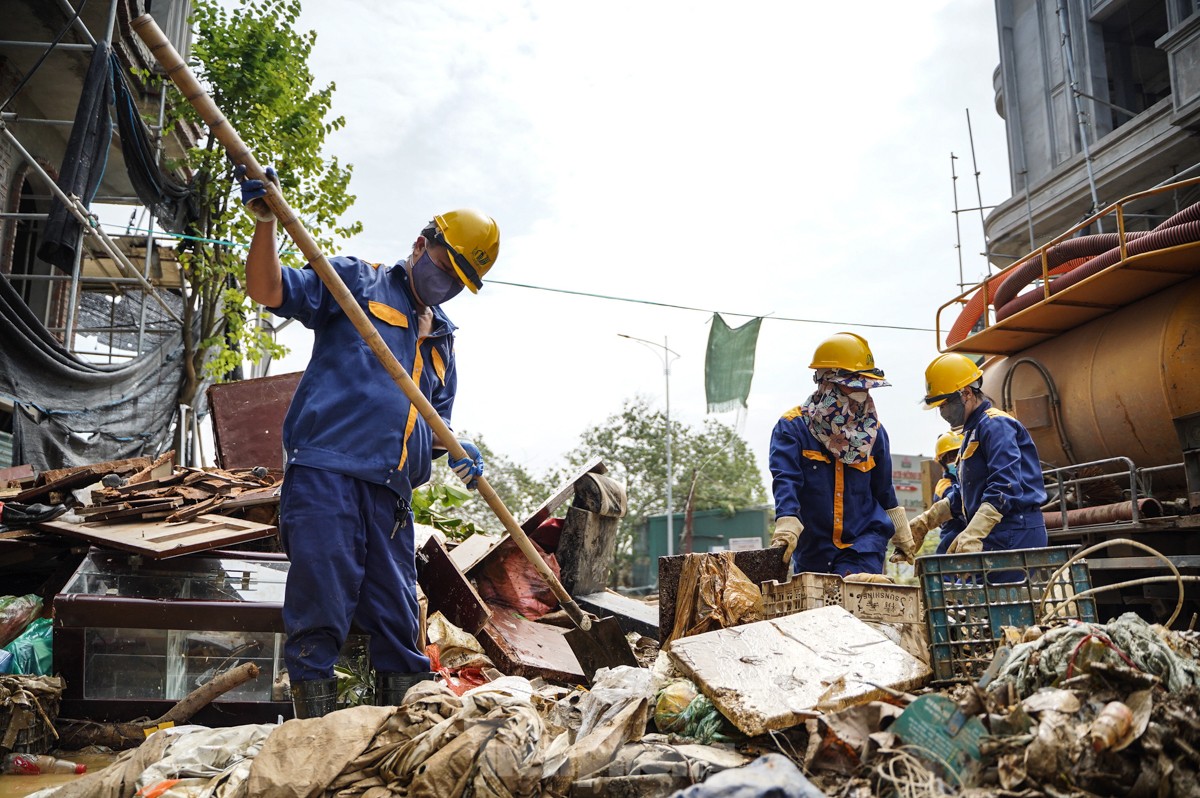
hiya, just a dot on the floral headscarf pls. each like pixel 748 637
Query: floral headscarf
pixel 845 424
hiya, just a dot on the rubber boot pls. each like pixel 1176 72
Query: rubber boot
pixel 314 698
pixel 391 687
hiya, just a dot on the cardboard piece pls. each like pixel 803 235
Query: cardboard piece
pixel 774 674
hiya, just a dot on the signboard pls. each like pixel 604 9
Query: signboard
pixel 906 478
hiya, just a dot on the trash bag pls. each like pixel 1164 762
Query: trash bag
pixel 15 614
pixel 769 776
pixel 670 704
pixel 32 651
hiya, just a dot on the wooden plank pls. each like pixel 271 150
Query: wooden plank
pixel 15 474
pixel 160 539
pixel 247 418
pixel 78 479
pixel 474 550
pixel 127 466
pixel 525 648
pixel 448 591
pixel 631 614
pixel 775 674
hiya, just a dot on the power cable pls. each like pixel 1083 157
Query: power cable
pixel 37 65
pixel 705 310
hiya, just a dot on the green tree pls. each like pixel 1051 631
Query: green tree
pixel 255 66
pixel 632 443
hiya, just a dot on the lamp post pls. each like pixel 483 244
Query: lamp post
pixel 666 356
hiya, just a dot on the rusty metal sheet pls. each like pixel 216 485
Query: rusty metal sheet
pixel 447 590
pixel 248 420
pixel 775 674
pixel 160 539
pixel 524 648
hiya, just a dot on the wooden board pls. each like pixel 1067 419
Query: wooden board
pixel 448 591
pixel 159 539
pixel 524 648
pixel 774 674
pixel 247 419
pixel 631 614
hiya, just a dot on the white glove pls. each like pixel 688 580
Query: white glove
pixel 787 534
pixel 970 540
pixel 934 517
pixel 903 539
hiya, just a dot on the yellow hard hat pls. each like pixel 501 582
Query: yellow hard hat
pixel 948 374
pixel 845 351
pixel 473 239
pixel 947 442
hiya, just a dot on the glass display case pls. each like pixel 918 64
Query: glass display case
pixel 134 636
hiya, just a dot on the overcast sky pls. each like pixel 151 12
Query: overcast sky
pixel 787 159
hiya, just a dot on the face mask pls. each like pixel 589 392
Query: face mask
pixel 432 285
pixel 953 411
pixel 952 469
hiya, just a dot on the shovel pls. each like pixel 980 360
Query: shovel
pixel 596 642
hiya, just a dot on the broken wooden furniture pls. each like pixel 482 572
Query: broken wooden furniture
pixel 133 636
pixel 247 419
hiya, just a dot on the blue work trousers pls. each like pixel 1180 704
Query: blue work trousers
pixel 350 544
pixel 829 559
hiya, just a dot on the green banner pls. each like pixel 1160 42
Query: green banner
pixel 729 364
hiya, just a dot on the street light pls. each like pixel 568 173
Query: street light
pixel 666 354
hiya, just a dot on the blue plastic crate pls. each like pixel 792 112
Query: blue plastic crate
pixel 969 597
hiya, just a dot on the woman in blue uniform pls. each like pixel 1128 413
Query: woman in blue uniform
pixel 835 507
pixel 999 472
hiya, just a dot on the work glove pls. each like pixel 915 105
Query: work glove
pixel 879 579
pixel 970 540
pixel 903 539
pixel 787 534
pixel 469 468
pixel 14 515
pixel 253 192
pixel 932 518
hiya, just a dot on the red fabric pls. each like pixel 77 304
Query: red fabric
pixel 510 581
pixel 459 681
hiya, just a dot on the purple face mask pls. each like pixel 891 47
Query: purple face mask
pixel 432 285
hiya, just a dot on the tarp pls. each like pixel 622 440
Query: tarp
pixel 729 364
pixel 68 412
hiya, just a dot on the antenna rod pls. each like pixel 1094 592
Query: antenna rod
pixel 987 253
pixel 957 228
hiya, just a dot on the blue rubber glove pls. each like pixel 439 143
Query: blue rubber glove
pixel 253 192
pixel 469 468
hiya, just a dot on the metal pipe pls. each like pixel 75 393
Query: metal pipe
pixel 80 25
pixel 1105 514
pixel 76 208
pixel 73 296
pixel 987 247
pixel 1080 117
pixel 47 45
pixel 1055 402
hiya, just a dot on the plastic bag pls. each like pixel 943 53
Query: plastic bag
pixel 16 612
pixel 459 680
pixel 670 704
pixel 704 723
pixel 32 651
pixel 713 593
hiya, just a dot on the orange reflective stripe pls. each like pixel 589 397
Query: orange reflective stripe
pixel 418 365
pixel 864 467
pixel 439 367
pixel 813 454
pixel 839 487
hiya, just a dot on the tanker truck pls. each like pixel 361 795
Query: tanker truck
pixel 1092 341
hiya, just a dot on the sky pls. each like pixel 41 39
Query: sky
pixel 778 159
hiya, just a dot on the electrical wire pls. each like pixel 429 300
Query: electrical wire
pixel 704 310
pixel 37 64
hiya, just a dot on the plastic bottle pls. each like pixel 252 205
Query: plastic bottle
pixel 37 764
pixel 1110 726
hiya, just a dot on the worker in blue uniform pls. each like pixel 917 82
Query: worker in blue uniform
pixel 945 514
pixel 831 468
pixel 355 447
pixel 999 472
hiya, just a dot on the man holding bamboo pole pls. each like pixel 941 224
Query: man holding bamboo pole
pixel 355 446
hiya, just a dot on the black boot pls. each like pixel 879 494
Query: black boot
pixel 314 698
pixel 390 688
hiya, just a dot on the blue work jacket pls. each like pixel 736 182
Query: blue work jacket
pixel 947 488
pixel 348 415
pixel 841 506
pixel 998 464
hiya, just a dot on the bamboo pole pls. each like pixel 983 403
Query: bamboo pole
pixel 239 153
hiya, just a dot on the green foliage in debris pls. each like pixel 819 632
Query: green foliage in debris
pixel 430 503
pixel 254 64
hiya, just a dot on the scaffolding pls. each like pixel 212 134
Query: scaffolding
pixel 104 276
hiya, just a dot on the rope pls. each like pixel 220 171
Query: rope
pixel 1102 545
